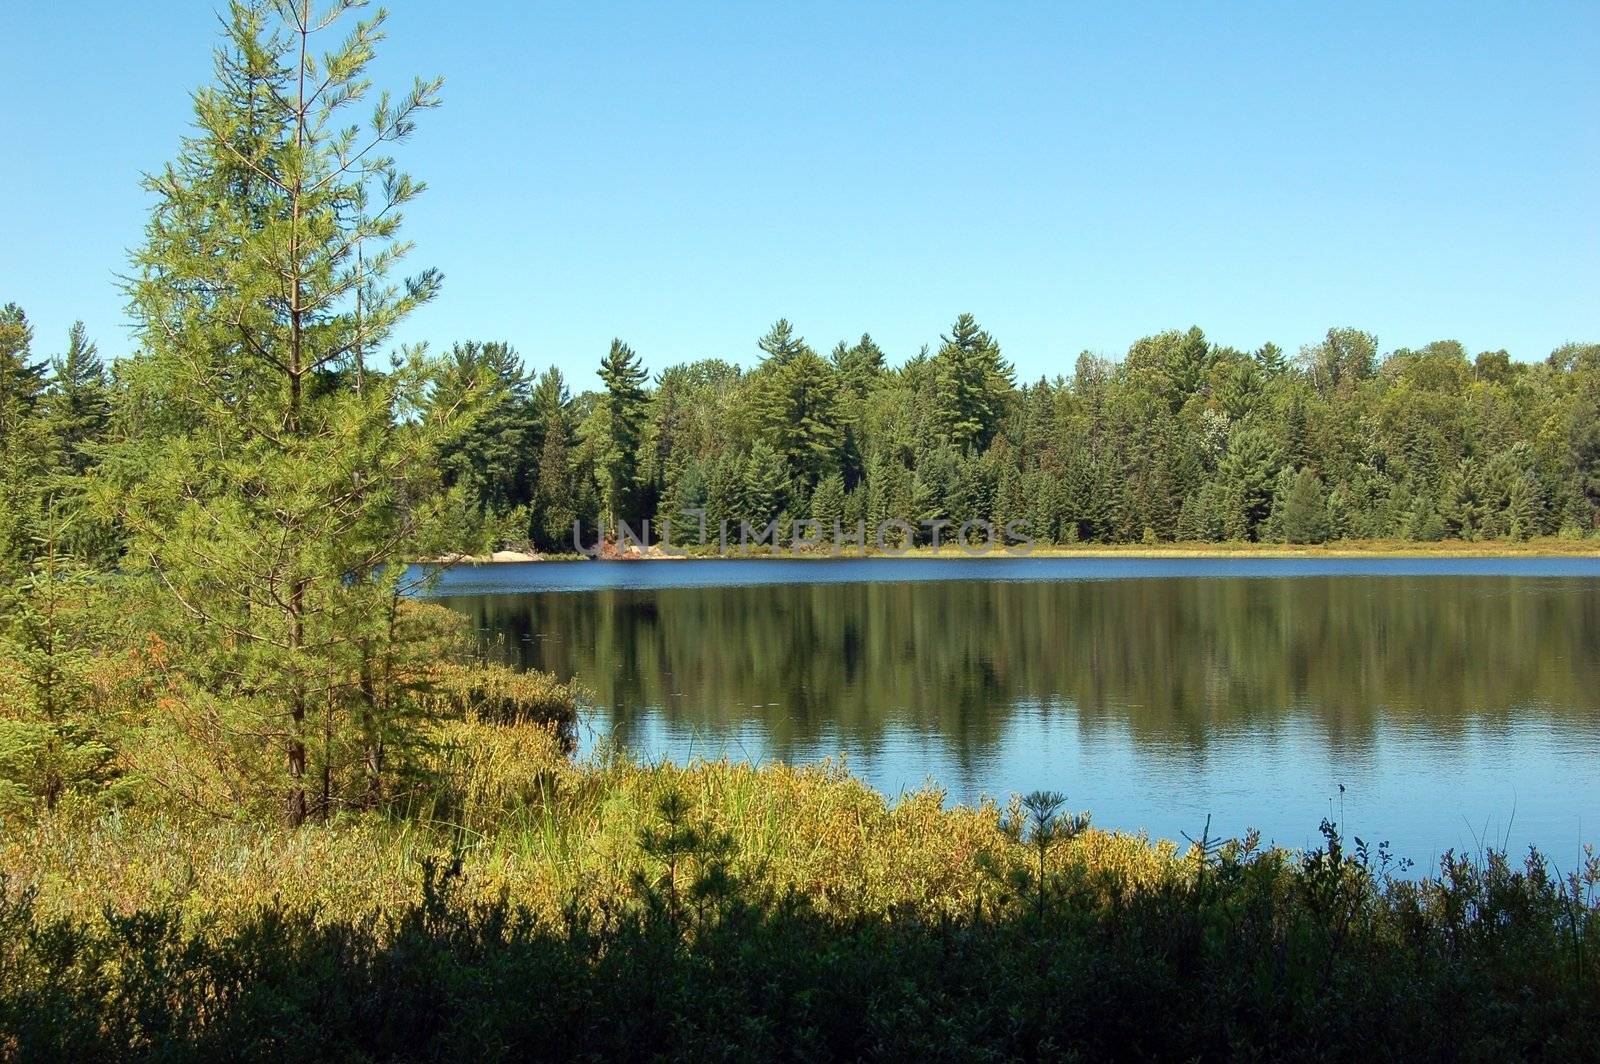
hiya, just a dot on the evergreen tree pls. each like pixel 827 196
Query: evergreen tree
pixel 554 504
pixel 21 378
pixel 553 508
pixel 1269 356
pixel 77 406
pixel 780 344
pixel 271 506
pixel 1301 515
pixel 1249 468
pixel 1192 525
pixel 550 402
pixel 490 456
pixel 1525 510
pixel 24 444
pixel 797 414
pixel 860 367
pixel 688 488
pixel 765 486
pixel 1238 389
pixel 933 486
pixel 1047 515
pixel 1463 508
pixel 827 503
pixel 624 405
pixel 1009 502
pixel 972 381
pixel 1583 459
pixel 1173 366
pixel 725 501
pixel 52 741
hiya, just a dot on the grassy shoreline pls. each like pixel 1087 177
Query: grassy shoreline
pixel 605 908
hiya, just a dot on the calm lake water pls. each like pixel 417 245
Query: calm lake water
pixel 1457 700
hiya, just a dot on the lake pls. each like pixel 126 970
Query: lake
pixel 1456 700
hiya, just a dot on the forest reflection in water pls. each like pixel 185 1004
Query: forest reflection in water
pixel 1151 700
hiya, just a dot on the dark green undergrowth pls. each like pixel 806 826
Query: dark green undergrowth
pixel 1236 955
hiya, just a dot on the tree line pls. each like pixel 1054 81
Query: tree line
pixel 1182 439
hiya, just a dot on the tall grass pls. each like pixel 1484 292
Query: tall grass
pixel 611 908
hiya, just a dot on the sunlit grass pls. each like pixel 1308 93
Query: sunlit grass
pixel 611 907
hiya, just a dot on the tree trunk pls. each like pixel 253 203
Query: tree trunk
pixel 294 805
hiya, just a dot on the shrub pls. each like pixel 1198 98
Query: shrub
pixel 498 694
pixel 719 910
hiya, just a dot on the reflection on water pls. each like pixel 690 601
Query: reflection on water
pixel 1448 705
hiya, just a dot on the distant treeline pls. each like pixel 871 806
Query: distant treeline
pixel 1183 439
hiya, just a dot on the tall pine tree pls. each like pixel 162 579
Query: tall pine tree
pixel 286 481
pixel 972 382
pixel 78 403
pixel 625 400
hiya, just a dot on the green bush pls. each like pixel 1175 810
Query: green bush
pixel 497 694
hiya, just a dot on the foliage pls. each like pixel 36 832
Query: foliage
pixel 508 696
pixel 724 911
pixel 623 409
pixel 1182 440
pixel 268 501
pixel 53 726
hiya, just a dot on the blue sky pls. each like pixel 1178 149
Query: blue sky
pixel 681 175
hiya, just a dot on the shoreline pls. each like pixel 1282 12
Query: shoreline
pixel 1548 547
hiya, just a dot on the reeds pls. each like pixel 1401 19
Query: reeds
pixel 610 907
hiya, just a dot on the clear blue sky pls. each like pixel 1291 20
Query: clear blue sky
pixel 681 174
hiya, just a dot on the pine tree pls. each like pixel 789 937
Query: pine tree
pixel 1300 515
pixel 51 739
pixel 797 414
pixel 21 378
pixel 861 367
pixel 24 445
pixel 725 500
pixel 933 486
pixel 1525 508
pixel 1172 365
pixel 624 401
pixel 780 344
pixel 554 503
pixel 687 488
pixel 1047 516
pixel 878 488
pixel 765 486
pixel 1009 502
pixel 286 482
pixel 1248 470
pixel 827 503
pixel 490 457
pixel 1462 499
pixel 971 381
pixel 553 509
pixel 77 406
pixel 1192 525
pixel 1269 356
